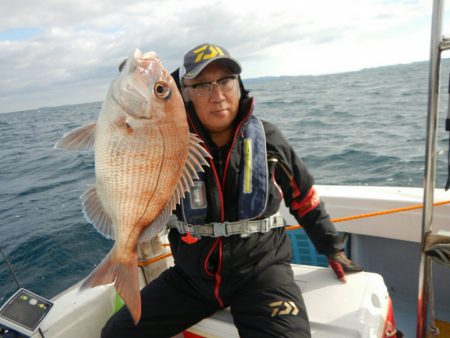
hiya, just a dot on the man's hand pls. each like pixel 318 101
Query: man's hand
pixel 342 265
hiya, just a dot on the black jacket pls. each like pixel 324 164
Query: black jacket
pixel 234 257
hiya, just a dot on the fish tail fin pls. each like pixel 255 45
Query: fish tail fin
pixel 125 276
pixel 127 285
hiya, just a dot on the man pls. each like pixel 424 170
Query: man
pixel 228 242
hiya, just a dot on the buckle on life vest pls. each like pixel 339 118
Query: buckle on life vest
pixel 220 229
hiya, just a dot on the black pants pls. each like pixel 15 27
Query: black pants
pixel 267 305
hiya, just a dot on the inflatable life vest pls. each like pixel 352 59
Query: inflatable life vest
pixel 253 180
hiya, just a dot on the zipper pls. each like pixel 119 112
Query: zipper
pixel 220 186
pixel 218 241
pixel 216 275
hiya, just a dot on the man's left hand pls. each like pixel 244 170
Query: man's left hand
pixel 341 265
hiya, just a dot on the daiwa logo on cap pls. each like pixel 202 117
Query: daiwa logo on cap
pixel 195 60
pixel 207 52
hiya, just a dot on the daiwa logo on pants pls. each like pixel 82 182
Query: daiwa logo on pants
pixel 206 52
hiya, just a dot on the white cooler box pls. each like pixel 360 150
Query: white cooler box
pixel 358 308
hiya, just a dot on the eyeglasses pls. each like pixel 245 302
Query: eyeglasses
pixel 206 88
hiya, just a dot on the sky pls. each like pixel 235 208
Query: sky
pixel 58 52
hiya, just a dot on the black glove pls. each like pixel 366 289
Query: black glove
pixel 341 265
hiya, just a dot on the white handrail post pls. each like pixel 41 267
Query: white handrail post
pixel 430 165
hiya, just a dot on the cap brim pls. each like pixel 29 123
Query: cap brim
pixel 231 63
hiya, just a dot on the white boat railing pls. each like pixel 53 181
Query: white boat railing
pixel 438 44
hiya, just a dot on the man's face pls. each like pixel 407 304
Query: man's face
pixel 217 110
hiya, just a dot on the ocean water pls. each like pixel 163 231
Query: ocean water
pixel 358 128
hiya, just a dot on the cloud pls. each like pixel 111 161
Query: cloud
pixel 67 52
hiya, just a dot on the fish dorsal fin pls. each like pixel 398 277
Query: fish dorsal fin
pixel 81 138
pixel 95 213
pixel 196 159
pixel 194 163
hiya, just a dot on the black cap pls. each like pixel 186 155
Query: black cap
pixel 202 55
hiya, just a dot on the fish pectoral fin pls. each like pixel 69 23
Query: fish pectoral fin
pixel 81 138
pixel 96 214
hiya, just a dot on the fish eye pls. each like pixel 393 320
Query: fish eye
pixel 161 89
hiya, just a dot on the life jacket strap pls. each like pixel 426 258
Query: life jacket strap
pixel 243 228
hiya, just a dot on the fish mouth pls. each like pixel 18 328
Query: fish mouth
pixel 131 101
pixel 137 104
pixel 134 89
pixel 148 66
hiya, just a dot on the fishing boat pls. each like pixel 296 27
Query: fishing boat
pixel 380 223
pixel 393 232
